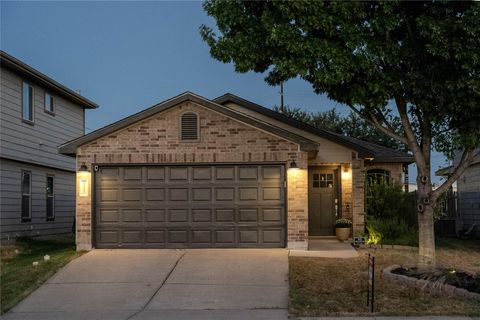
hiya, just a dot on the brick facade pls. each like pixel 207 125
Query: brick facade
pixel 222 139
pixel 156 140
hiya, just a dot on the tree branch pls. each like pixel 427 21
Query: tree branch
pixel 409 134
pixel 373 120
pixel 465 160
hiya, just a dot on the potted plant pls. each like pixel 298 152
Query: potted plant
pixel 342 229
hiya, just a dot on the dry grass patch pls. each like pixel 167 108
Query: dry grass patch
pixel 330 287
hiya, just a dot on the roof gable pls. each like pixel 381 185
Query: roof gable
pixel 70 147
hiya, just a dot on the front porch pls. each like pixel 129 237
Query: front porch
pixel 326 247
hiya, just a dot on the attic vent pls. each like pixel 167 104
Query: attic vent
pixel 189 126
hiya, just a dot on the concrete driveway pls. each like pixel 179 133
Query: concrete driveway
pixel 165 284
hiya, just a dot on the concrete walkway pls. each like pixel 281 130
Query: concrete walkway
pixel 165 284
pixel 326 248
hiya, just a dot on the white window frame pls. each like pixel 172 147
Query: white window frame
pixel 32 106
pixel 53 99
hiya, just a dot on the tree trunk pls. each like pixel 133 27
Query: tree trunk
pixel 425 210
pixel 426 236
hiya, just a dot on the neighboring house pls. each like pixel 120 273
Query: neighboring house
pixel 191 172
pixel 37 184
pixel 468 195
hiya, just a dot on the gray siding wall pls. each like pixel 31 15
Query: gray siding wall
pixel 36 143
pixel 11 225
pixel 468 187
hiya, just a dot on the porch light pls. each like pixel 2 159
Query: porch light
pixel 346 172
pixel 83 178
pixel 293 165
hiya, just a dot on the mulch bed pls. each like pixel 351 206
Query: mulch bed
pixel 452 277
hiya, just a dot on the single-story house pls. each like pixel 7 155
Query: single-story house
pixel 191 172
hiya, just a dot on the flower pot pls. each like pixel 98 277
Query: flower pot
pixel 342 233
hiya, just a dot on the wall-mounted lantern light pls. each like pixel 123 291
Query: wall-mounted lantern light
pixel 293 165
pixel 83 178
pixel 346 171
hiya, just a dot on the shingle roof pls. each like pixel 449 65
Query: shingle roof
pixel 365 149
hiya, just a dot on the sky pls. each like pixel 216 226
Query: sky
pixel 127 56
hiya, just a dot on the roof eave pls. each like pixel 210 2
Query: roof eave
pixel 228 97
pixel 25 70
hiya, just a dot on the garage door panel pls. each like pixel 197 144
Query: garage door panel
pixel 132 194
pixel 108 215
pixel 223 237
pixel 134 173
pixel 202 173
pixel 202 215
pixel 202 194
pixel 190 206
pixel 225 173
pixel 247 194
pixel 248 173
pixel 109 195
pixel 155 237
pixel 248 215
pixel 132 215
pixel 178 215
pixel 155 194
pixel 224 194
pixel 178 236
pixel 178 173
pixel 155 174
pixel 155 215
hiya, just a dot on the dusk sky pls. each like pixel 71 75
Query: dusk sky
pixel 128 56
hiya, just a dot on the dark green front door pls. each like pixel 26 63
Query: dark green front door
pixel 322 201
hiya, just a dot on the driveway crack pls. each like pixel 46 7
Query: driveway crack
pixel 159 287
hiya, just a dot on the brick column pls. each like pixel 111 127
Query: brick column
pixel 297 190
pixel 358 190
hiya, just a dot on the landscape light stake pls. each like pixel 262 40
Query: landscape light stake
pixel 371 282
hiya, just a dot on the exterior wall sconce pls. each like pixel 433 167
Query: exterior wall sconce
pixel 346 172
pixel 83 178
pixel 293 165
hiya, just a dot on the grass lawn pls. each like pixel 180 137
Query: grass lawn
pixel 331 287
pixel 19 278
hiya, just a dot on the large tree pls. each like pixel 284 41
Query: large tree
pixel 420 60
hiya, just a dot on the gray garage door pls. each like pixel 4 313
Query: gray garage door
pixel 190 206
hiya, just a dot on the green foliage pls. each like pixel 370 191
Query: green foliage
pixel 367 54
pixel 391 231
pixel 343 223
pixel 388 201
pixel 19 278
pixel 351 125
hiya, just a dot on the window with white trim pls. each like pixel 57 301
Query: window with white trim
pixel 189 124
pixel 28 101
pixel 49 103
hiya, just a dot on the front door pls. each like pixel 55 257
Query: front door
pixel 322 201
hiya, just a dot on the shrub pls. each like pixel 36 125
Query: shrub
pixel 388 201
pixel 391 231
pixel 343 223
